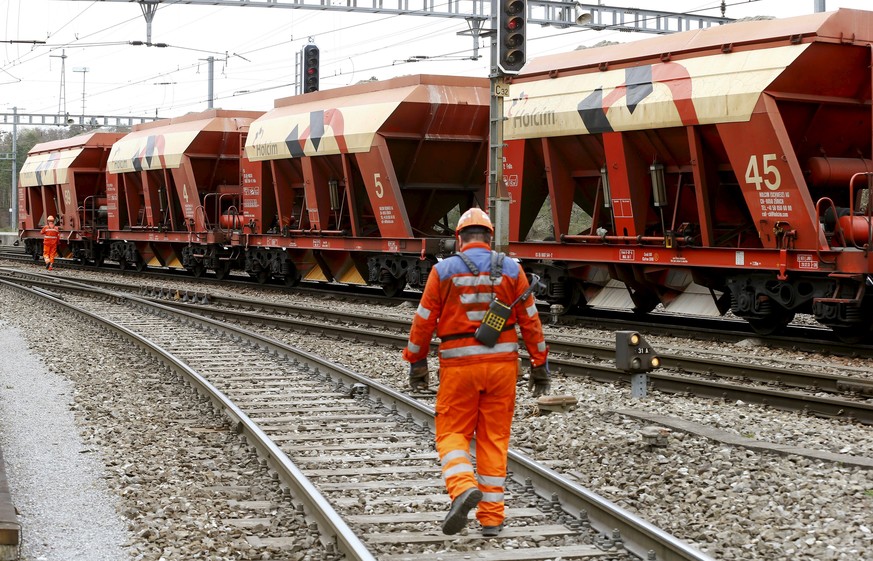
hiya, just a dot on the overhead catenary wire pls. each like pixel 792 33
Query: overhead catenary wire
pixel 44 53
pixel 197 100
pixel 276 76
pixel 193 101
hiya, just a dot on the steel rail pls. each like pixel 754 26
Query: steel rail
pixel 811 380
pixel 817 405
pixel 639 537
pixel 328 520
pixel 810 338
pixel 766 374
pixel 792 401
pixel 584 504
pixel 688 363
pixel 822 340
pixel 314 287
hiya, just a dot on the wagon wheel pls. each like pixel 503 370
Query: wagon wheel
pixel 644 302
pixel 575 301
pixel 222 270
pixel 394 287
pixel 291 274
pixel 197 270
pixel 261 277
pixel 122 265
pixel 772 323
pixel 292 279
pixel 140 265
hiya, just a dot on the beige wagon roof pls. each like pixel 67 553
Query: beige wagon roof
pixel 345 120
pixel 48 163
pixel 704 76
pixel 162 144
pixel 49 168
pixel 704 90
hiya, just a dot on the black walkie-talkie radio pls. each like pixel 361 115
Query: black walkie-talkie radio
pixel 495 318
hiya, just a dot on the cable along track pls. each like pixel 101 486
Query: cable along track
pixel 364 468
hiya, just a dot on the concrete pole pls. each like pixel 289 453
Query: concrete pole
pixel 498 204
pixel 820 6
pixel 211 62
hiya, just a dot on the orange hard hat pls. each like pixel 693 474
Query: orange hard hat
pixel 475 217
pixel 50 218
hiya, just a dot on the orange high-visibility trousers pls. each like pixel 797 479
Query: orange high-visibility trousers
pixel 476 399
pixel 49 252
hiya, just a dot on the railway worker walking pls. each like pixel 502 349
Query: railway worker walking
pixel 478 373
pixel 51 234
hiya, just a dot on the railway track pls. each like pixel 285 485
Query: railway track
pixel 811 338
pixel 357 455
pixel 240 280
pixel 720 379
pixel 847 397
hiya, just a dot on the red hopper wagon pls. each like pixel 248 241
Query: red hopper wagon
pixel 355 184
pixel 726 168
pixel 66 179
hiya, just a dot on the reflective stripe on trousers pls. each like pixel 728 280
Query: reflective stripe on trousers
pixel 475 350
pixel 476 400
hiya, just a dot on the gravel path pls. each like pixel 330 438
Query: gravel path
pixel 66 511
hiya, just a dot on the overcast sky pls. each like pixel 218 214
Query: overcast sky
pixel 137 80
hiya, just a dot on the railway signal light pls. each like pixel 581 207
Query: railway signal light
pixel 511 29
pixel 633 354
pixel 309 74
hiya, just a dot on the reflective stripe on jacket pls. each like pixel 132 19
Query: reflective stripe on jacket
pixel 455 301
pixel 51 234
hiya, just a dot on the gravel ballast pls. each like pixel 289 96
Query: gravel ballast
pixel 732 502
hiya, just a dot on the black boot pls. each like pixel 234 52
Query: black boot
pixel 456 519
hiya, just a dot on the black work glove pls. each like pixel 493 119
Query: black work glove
pixel 418 375
pixel 539 381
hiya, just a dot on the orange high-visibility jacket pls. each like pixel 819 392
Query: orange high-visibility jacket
pixel 51 234
pixel 454 303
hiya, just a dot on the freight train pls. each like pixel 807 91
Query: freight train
pixel 722 169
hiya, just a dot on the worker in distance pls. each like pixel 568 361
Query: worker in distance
pixel 474 300
pixel 51 235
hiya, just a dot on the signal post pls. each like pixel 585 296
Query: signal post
pixel 309 77
pixel 507 57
